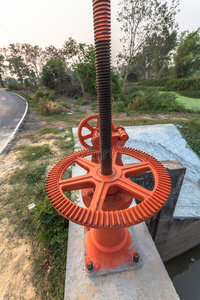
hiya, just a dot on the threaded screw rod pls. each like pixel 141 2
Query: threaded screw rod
pixel 102 37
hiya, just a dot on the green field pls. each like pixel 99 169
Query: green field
pixel 191 103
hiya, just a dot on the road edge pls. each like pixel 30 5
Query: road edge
pixel 13 135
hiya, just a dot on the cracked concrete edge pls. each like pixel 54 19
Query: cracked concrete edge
pixel 13 135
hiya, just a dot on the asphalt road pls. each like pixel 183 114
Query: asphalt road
pixel 12 109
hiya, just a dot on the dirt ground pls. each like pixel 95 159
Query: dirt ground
pixel 15 253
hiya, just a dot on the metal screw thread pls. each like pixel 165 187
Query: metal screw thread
pixel 102 36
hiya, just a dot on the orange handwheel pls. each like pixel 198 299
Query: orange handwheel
pixel 91 124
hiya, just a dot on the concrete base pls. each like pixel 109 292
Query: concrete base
pixel 149 282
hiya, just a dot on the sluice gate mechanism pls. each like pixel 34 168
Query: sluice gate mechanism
pixel 107 190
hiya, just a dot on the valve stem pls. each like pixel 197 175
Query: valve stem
pixel 102 37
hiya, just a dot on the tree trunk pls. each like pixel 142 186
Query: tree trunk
pixel 1 82
pixel 125 78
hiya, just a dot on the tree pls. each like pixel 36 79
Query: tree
pixel 153 60
pixel 80 57
pixel 86 71
pixel 141 19
pixel 187 56
pixel 2 68
pixel 54 75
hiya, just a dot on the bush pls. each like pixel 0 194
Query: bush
pixel 149 100
pixel 51 227
pixel 190 94
pixel 54 75
pixel 183 84
pixel 154 82
pixel 46 102
pixel 14 86
pixel 175 84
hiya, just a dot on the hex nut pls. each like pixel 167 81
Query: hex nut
pixel 90 266
pixel 136 257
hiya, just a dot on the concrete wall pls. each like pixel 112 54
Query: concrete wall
pixel 182 235
pixel 171 235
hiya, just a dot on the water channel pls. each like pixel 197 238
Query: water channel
pixel 184 271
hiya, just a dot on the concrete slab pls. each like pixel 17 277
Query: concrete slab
pixel 149 282
pixel 165 142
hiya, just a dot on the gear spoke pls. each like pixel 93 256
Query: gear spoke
pixel 85 163
pixel 135 169
pixel 133 189
pixel 98 214
pixel 89 127
pixel 85 137
pixel 99 196
pixel 75 183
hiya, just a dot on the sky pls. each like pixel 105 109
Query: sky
pixel 52 22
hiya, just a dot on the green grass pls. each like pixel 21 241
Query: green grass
pixel 32 153
pixel 190 103
pixel 47 130
pixel 28 174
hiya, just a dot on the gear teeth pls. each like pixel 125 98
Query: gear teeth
pixel 109 219
pixel 117 217
pixel 123 216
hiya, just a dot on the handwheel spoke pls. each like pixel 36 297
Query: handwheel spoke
pixel 135 169
pixel 133 189
pixel 85 163
pixel 85 137
pixel 99 196
pixel 89 127
pixel 76 183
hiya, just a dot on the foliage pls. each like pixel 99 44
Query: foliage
pixel 140 21
pixel 2 68
pixel 175 84
pixel 54 75
pixel 14 86
pixel 32 153
pixel 154 82
pixel 187 56
pixel 183 84
pixel 82 61
pixel 190 94
pixel 149 100
pixel 155 55
pixel 115 84
pixel 45 101
pixel 49 224
pixel 52 231
pixel 86 71
pixel 190 131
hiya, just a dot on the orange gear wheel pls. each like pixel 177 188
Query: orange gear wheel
pixel 94 216
pixel 92 129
